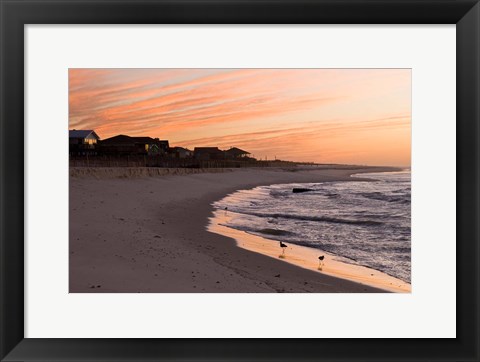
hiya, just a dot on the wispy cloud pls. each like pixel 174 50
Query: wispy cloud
pixel 302 114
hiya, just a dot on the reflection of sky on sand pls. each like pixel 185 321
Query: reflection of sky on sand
pixel 304 257
pixel 368 223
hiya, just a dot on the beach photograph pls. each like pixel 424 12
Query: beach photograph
pixel 251 180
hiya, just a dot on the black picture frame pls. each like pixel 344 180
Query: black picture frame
pixel 15 14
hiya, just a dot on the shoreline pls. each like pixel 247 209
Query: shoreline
pixel 148 234
pixel 306 257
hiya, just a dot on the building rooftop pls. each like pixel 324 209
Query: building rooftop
pixel 124 139
pixel 81 133
pixel 207 149
pixel 237 151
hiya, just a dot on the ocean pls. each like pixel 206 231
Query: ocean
pixel 360 222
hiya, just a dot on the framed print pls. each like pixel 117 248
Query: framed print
pixel 209 139
pixel 241 180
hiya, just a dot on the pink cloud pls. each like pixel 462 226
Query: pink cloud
pixel 265 110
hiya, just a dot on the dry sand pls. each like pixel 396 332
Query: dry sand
pixel 133 233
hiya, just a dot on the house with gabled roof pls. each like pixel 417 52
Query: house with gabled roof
pixel 126 145
pixel 82 142
pixel 208 153
pixel 180 152
pixel 235 152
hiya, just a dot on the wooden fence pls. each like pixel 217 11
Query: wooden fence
pixel 167 162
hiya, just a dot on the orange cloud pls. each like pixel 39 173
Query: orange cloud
pixel 321 115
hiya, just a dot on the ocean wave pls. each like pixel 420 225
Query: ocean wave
pixel 275 232
pixel 314 218
pixel 369 223
pixel 404 199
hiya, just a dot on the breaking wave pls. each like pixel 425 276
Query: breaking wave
pixel 365 222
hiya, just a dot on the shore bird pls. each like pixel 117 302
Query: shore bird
pixel 320 261
pixel 226 209
pixel 283 246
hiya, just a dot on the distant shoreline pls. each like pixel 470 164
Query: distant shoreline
pixel 136 172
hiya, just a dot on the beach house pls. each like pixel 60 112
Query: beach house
pixel 235 153
pixel 180 152
pixel 208 153
pixel 82 142
pixel 123 145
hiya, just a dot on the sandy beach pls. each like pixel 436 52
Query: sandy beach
pixel 306 257
pixel 145 230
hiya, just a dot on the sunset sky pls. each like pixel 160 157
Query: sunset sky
pixel 355 116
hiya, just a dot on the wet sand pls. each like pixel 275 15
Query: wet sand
pixel 306 257
pixel 131 232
